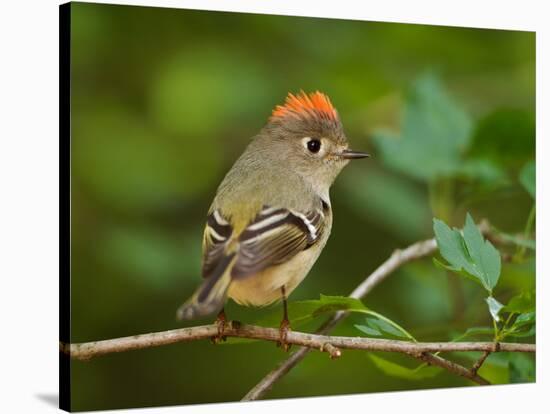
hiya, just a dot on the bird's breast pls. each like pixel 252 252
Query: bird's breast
pixel 264 288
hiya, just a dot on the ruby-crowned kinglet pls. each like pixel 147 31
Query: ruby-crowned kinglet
pixel 271 216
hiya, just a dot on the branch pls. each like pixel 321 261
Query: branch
pixel 398 258
pixel 453 367
pixel 395 261
pixel 329 344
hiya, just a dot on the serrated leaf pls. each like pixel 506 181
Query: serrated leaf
pixel 469 252
pixel 451 245
pixel 395 370
pixel 486 259
pixel 368 330
pixel 527 178
pixel 494 307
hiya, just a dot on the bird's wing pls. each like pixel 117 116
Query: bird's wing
pixel 273 237
pixel 217 233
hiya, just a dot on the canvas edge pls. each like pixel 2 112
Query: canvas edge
pixel 64 202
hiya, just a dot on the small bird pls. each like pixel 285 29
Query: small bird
pixel 271 216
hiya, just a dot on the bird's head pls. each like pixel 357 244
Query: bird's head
pixel 306 133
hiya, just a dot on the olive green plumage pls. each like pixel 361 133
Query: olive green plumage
pixel 271 216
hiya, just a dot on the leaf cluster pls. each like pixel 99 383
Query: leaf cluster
pixel 469 255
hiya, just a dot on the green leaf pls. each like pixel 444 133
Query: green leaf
pixel 368 330
pixel 523 334
pixel 494 307
pixel 435 132
pixel 395 370
pixel 301 312
pixel 305 310
pixel 469 252
pixel 521 368
pixel 386 325
pixel 382 325
pixel 523 324
pixel 459 271
pixel 527 178
pixel 473 238
pixel 525 319
pixel 523 327
pixel 451 246
pixel 486 259
pixel 522 303
pixel 490 264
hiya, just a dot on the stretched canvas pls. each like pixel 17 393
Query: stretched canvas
pixel 425 276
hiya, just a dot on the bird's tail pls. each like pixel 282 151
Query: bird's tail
pixel 210 297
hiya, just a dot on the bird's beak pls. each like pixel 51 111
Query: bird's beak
pixel 353 155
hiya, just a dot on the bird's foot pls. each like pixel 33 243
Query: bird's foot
pixel 283 334
pixel 221 322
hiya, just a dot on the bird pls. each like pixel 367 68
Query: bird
pixel 272 215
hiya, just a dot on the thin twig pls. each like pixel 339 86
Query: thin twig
pixel 332 350
pixel 477 365
pixel 452 367
pixel 89 350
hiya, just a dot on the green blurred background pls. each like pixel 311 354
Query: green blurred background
pixel 164 101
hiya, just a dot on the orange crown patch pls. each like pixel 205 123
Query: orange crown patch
pixel 314 104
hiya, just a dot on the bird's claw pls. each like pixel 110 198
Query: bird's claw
pixel 283 335
pixel 221 322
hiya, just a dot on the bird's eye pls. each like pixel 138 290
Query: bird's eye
pixel 314 145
